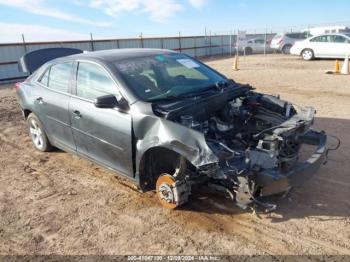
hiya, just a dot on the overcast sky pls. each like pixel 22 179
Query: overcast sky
pixel 42 20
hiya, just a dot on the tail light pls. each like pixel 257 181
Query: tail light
pixel 17 86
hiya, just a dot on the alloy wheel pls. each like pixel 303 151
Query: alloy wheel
pixel 36 134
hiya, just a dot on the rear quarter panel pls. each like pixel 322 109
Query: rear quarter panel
pixel 26 96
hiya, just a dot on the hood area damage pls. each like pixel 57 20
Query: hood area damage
pixel 236 141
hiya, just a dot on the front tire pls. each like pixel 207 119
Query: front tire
pixel 37 134
pixel 307 54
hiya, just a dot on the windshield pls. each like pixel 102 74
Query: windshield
pixel 166 76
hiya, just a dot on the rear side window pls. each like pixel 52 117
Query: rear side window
pixel 59 77
pixel 321 39
pixel 93 81
pixel 45 78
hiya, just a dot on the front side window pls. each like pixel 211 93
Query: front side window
pixel 93 81
pixel 339 39
pixel 165 76
pixel 59 77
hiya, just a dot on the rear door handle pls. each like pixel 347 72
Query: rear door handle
pixel 40 100
pixel 77 114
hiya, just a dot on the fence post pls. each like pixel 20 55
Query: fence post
pixel 162 43
pixel 180 49
pixel 222 45
pixel 195 46
pixel 24 44
pixel 92 43
pixel 141 36
pixel 231 43
pixel 265 42
pixel 209 43
pixel 205 41
pixel 118 44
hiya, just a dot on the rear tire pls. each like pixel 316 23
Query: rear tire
pixel 286 49
pixel 37 134
pixel 307 54
pixel 248 51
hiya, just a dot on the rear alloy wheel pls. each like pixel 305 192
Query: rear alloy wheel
pixel 171 192
pixel 307 54
pixel 286 49
pixel 37 134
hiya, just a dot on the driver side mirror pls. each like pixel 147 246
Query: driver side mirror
pixel 110 101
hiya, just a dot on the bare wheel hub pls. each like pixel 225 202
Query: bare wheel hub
pixel 171 193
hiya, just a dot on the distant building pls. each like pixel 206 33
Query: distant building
pixel 327 29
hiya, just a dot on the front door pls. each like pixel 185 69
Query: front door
pixel 102 134
pixel 341 46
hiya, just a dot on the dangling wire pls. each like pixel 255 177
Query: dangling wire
pixel 334 148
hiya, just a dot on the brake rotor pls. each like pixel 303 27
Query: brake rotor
pixel 165 187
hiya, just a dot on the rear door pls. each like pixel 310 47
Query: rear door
pixel 52 104
pixel 102 134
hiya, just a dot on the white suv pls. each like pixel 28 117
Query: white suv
pixel 283 42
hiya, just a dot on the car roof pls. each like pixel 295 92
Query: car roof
pixel 114 55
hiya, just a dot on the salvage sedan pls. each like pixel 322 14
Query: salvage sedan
pixel 169 122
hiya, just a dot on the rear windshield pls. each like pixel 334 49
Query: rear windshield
pixel 278 36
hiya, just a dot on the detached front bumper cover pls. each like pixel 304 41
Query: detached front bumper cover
pixel 274 182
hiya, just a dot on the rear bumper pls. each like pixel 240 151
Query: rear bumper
pixel 276 47
pixel 275 182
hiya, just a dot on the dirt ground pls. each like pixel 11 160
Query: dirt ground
pixel 57 203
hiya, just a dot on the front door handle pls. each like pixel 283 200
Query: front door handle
pixel 40 100
pixel 77 114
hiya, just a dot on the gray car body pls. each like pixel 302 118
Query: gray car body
pixel 124 140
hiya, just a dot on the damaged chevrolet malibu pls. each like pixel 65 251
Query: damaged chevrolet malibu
pixel 169 123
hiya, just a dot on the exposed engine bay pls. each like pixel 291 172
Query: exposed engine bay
pixel 257 139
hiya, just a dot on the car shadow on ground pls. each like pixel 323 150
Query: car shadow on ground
pixel 327 194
